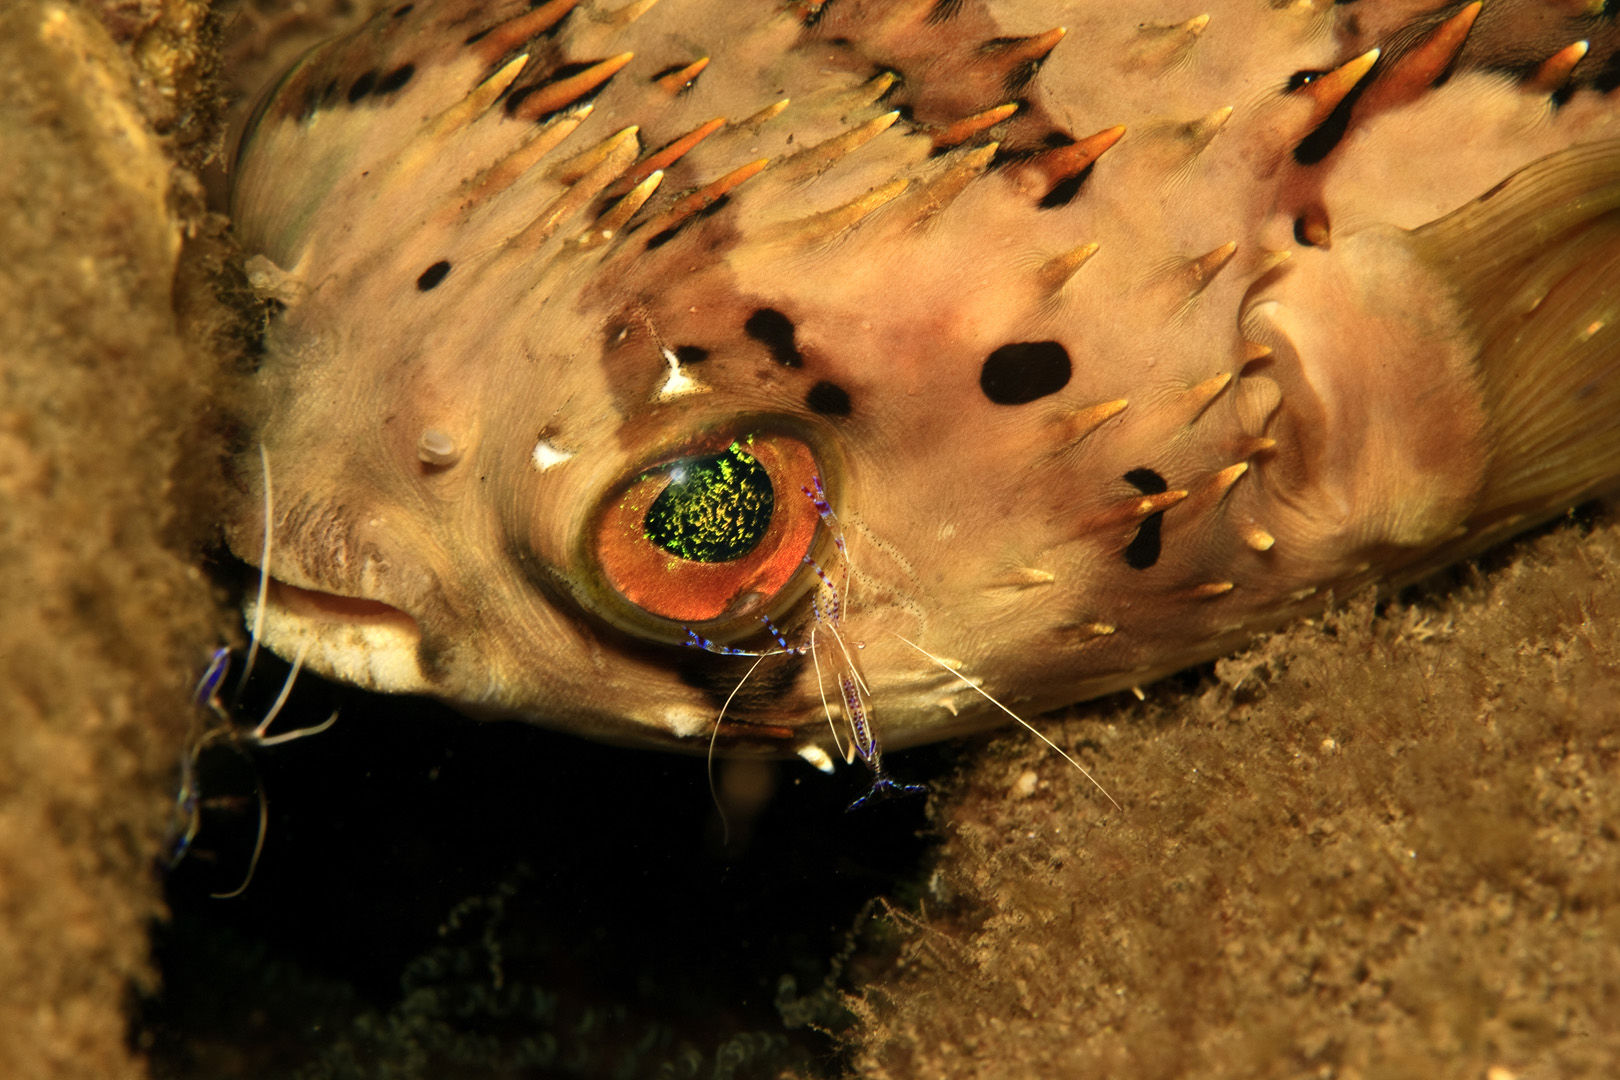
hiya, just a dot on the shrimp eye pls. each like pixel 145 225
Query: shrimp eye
pixel 715 535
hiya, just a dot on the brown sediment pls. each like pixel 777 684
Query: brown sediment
pixel 105 616
pixel 1371 846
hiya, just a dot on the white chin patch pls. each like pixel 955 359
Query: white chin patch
pixel 375 650
pixel 688 721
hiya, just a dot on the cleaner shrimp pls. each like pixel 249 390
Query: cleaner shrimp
pixel 853 695
pixel 224 729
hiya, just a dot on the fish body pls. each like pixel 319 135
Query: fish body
pixel 827 362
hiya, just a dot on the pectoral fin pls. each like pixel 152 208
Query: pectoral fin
pixel 1535 264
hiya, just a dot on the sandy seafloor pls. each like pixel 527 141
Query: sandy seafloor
pixel 1379 845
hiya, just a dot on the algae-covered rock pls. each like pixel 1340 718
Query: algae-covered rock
pixel 105 617
pixel 1377 845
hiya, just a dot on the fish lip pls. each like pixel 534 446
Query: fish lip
pixel 365 642
pixel 319 605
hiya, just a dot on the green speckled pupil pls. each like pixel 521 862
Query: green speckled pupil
pixel 715 509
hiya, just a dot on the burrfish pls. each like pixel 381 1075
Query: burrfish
pixel 820 375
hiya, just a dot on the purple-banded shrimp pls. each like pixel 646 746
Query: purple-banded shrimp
pixel 852 696
pixel 222 729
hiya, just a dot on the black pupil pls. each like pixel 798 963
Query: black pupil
pixel 715 509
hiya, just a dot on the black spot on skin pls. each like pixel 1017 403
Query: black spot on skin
pixel 1608 79
pixel 1064 191
pixel 517 97
pixel 1316 146
pixel 403 10
pixel 1011 155
pixel 1143 550
pixel 1050 139
pixel 658 240
pixel 395 79
pixel 1025 371
pixel 690 354
pixel 433 275
pixel 713 208
pixel 1299 233
pixel 362 86
pixel 473 39
pixel 314 102
pixel 1147 481
pixel 775 331
pixel 828 399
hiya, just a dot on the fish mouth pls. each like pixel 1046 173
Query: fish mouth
pixel 314 604
pixel 368 642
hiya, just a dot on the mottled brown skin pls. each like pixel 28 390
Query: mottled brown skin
pixel 1339 359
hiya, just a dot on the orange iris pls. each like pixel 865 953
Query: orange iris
pixel 714 535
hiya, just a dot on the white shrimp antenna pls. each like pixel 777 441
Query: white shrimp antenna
pixel 1031 728
pixel 264 579
pixel 714 736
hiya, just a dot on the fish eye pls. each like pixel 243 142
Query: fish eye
pixel 712 536
pixel 716 508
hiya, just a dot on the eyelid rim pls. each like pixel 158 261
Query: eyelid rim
pixel 728 626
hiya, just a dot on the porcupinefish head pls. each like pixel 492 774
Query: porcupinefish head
pixel 832 360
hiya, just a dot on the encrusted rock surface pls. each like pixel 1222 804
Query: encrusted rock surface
pixel 106 617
